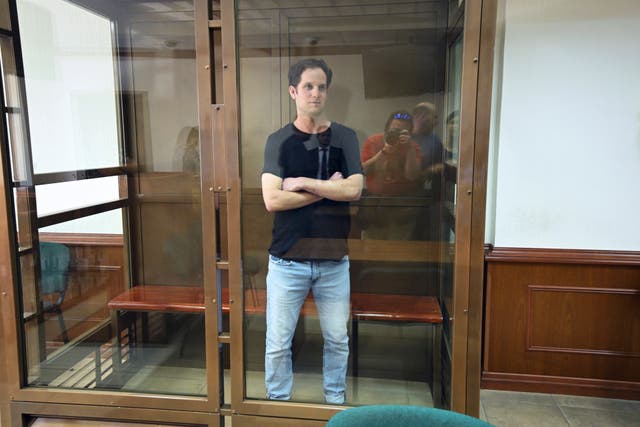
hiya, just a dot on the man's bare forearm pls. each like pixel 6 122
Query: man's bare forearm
pixel 278 199
pixel 344 190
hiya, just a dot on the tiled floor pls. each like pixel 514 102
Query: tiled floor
pixel 513 409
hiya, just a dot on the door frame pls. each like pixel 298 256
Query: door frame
pixel 24 401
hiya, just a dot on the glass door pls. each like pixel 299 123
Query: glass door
pixel 396 88
pixel 111 229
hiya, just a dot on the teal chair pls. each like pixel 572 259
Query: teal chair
pixel 54 271
pixel 402 416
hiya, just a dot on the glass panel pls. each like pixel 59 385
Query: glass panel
pixel 12 86
pixel 17 139
pixel 129 317
pixel 29 296
pixel 10 78
pixel 162 91
pixel 22 202
pixel 448 201
pixel 75 194
pixel 78 274
pixel 5 19
pixel 394 85
pixel 62 44
pixel 69 340
pixel 161 120
pixel 161 98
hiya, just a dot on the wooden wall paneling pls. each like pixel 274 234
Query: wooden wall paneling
pixel 562 324
pixel 607 318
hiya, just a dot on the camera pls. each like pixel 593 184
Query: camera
pixel 393 135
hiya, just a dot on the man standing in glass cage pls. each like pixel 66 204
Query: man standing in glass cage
pixel 311 172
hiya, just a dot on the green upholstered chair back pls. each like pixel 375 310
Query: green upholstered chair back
pixel 402 416
pixel 54 267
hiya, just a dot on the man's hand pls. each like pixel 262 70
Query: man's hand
pixel 293 184
pixel 388 149
pixel 404 137
pixel 400 139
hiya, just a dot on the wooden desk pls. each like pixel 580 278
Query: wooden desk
pixel 364 307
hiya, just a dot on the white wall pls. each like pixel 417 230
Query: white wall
pixel 70 85
pixel 566 135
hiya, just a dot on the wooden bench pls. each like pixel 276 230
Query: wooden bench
pixel 364 307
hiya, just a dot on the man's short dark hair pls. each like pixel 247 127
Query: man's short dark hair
pixel 296 70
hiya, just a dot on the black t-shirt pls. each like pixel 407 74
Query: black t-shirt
pixel 318 230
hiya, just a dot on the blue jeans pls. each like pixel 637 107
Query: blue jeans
pixel 288 284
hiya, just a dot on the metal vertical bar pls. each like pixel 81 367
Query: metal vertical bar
pixel 234 193
pixel 8 274
pixel 207 187
pixel 29 201
pixel 481 155
pixel 460 314
pixel 436 362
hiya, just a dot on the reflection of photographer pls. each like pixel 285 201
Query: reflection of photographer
pixel 391 162
pixel 394 136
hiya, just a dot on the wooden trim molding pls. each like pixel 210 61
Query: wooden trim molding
pixel 84 239
pixel 562 256
pixel 561 385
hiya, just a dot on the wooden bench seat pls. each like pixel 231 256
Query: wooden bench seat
pixel 364 307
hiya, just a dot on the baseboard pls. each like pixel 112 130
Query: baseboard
pixel 561 385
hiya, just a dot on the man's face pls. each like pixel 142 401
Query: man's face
pixel 311 93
